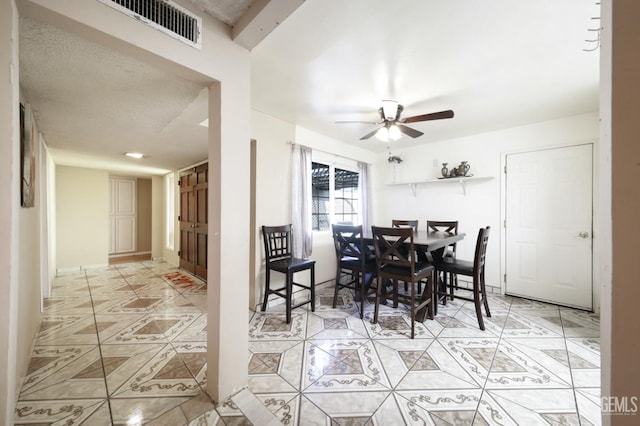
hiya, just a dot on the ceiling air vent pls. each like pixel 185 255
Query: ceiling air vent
pixel 165 16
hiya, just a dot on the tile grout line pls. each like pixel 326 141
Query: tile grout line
pixel 169 341
pixel 104 371
pixel 202 389
pixel 484 385
pixel 572 383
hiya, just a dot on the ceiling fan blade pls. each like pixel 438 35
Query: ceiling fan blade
pixel 409 131
pixel 356 121
pixel 426 117
pixel 368 135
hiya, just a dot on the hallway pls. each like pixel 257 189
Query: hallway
pixel 126 345
pixel 135 332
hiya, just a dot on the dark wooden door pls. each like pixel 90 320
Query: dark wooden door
pixel 193 220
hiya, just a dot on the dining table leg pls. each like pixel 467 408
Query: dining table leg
pixel 440 285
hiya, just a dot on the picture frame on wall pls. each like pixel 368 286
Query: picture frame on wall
pixel 28 136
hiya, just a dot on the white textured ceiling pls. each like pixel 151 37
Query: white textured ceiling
pixel 94 104
pixel 496 63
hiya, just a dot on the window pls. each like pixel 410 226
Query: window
pixel 334 196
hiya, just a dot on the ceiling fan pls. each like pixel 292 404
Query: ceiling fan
pixel 393 126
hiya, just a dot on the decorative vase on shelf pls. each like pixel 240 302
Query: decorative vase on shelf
pixel 463 168
pixel 444 170
pixel 467 167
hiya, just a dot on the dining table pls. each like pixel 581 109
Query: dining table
pixel 432 242
pixel 429 246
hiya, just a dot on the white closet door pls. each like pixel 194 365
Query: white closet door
pixel 548 226
pixel 123 215
pixel 125 234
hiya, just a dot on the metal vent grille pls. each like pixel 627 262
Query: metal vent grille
pixel 165 16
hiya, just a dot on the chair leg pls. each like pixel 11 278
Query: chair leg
pixel 395 293
pixel 379 287
pixel 289 294
pixel 267 276
pixel 312 286
pixel 413 309
pixel 335 292
pixel 445 286
pixel 476 302
pixel 454 279
pixel 484 295
pixel 454 284
pixel 363 292
pixel 429 286
pixel 434 294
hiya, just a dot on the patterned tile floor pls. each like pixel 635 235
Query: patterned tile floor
pixel 126 345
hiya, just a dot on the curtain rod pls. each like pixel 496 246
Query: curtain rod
pixel 327 152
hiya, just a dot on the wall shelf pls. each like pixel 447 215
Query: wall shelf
pixel 460 180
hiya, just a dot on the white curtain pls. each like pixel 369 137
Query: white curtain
pixel 365 195
pixel 301 200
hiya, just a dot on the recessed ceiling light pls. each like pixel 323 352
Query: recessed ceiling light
pixel 134 155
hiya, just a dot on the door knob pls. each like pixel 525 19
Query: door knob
pixel 583 234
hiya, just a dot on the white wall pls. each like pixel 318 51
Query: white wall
pixel 29 290
pixel 157 216
pixel 273 187
pixel 10 196
pixel 51 217
pixel 19 237
pixel 482 204
pixel 82 212
pixel 603 247
pixel 170 255
pixel 323 248
pixel 144 229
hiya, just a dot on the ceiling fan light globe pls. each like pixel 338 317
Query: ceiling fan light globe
pixel 383 134
pixel 394 132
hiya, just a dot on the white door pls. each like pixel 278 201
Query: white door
pixel 549 224
pixel 123 218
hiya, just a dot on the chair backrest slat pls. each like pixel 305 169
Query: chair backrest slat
pixel 349 242
pixel 397 223
pixel 277 242
pixel 450 226
pixel 481 250
pixel 391 249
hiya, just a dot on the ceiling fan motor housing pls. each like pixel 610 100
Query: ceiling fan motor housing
pixel 390 110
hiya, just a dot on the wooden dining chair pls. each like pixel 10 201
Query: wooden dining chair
pixel 396 261
pixel 451 227
pixel 474 269
pixel 356 264
pixel 396 223
pixel 279 258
